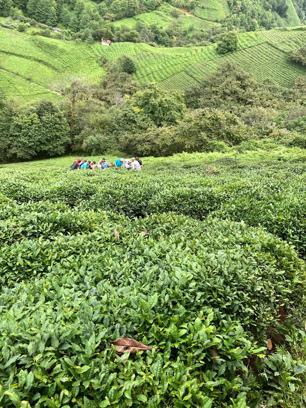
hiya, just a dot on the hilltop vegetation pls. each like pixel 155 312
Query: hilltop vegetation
pixel 172 22
pixel 34 66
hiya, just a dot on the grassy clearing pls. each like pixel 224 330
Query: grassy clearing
pixel 292 16
pixel 212 10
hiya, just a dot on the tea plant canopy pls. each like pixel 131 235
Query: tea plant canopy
pixel 198 257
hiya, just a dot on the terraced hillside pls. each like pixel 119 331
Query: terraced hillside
pixel 207 15
pixel 32 66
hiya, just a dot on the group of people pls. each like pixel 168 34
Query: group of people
pixel 119 164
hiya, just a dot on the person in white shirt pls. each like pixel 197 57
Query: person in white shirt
pixel 136 165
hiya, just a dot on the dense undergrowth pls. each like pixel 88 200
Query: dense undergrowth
pixel 199 256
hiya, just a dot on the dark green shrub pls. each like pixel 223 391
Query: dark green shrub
pixel 22 27
pixel 131 199
pixel 228 43
pixel 128 65
pixel 298 141
pixel 299 56
pixel 195 202
pixel 280 213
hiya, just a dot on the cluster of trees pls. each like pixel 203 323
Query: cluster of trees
pixel 226 109
pixel 228 43
pixel 252 14
pixel 77 14
pixel 36 132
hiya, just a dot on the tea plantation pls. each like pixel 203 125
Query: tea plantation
pixel 34 67
pixel 199 256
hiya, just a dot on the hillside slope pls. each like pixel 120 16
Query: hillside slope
pixel 262 53
pixel 32 66
pixel 206 15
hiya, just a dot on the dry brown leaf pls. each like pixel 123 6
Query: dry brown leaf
pixel 211 170
pixel 269 344
pixel 144 233
pixel 127 345
pixel 117 235
pixel 282 313
pixel 214 354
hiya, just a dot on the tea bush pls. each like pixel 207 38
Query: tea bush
pixel 272 198
pixel 190 288
pixel 189 256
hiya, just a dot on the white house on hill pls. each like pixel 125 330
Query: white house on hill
pixel 106 42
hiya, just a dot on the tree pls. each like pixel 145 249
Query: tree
pixel 21 4
pixel 201 128
pixel 127 65
pixel 76 92
pixel 228 43
pixel 161 107
pixel 43 11
pixel 40 131
pixel 116 85
pixel 153 142
pixel 24 137
pixel 261 118
pixel 299 56
pixel 5 7
pixel 65 16
pixel 280 7
pixel 228 87
pixel 6 118
pixel 55 130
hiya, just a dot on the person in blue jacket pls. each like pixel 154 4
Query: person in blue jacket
pixel 85 165
pixel 118 164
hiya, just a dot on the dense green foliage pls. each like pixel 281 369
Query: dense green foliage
pixel 40 131
pixel 74 278
pixel 228 43
pixel 229 187
pixel 128 65
pixel 249 14
pixel 226 109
